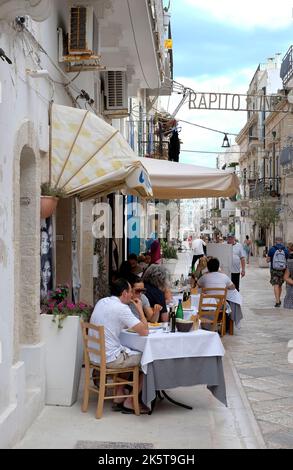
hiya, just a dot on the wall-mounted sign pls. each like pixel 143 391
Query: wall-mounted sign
pixel 168 43
pixel 237 102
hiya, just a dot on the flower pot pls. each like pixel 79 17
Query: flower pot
pixel 48 205
pixel 63 359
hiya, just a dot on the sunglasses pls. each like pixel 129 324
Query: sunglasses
pixel 139 291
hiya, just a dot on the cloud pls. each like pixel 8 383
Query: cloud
pixel 248 14
pixel 196 138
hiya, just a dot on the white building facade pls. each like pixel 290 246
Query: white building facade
pixel 125 44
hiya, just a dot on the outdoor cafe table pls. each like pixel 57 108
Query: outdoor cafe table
pixel 171 360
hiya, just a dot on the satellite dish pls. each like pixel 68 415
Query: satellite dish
pixel 290 97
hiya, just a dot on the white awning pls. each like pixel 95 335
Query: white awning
pixel 172 180
pixel 91 158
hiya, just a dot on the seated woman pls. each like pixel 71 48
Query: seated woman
pixel 139 300
pixel 201 268
pixel 155 280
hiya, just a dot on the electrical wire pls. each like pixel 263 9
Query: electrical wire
pixel 208 128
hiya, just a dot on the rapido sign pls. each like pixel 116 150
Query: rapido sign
pixel 237 102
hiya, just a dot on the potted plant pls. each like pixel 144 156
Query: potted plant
pixel 61 333
pixel 169 257
pixel 49 199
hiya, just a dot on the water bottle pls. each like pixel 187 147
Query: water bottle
pixel 179 311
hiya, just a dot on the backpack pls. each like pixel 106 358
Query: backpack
pixel 279 260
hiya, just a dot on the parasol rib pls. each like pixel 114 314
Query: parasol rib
pixel 90 158
pixel 71 148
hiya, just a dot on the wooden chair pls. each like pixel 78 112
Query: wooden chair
pixel 96 345
pixel 212 308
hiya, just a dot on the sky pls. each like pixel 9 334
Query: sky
pixel 217 46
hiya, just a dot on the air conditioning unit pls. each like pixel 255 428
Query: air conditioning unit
pixel 116 91
pixel 80 40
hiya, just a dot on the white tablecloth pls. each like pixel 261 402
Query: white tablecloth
pixel 161 345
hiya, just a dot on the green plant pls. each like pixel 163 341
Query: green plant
pixel 60 307
pixel 48 190
pixel 264 214
pixel 168 251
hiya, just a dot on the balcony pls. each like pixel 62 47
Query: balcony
pixel 263 187
pixel 134 38
pixel 286 72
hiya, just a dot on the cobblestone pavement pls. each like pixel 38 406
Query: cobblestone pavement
pixel 259 351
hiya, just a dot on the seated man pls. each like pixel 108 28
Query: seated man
pixel 115 315
pixel 217 279
pixel 214 278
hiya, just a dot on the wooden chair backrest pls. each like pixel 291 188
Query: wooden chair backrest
pixel 97 338
pixel 215 290
pixel 212 304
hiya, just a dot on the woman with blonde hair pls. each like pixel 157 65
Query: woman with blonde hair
pixel 156 281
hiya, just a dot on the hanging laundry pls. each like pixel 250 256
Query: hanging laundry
pixel 174 147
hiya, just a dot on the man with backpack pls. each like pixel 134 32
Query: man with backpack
pixel 277 256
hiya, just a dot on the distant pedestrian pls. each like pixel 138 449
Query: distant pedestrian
pixel 277 257
pixel 247 248
pixel 238 260
pixel 198 248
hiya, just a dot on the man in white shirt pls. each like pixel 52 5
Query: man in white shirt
pixel 198 250
pixel 214 278
pixel 115 315
pixel 238 260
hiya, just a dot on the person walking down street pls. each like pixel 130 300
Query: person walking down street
pixel 288 278
pixel 238 260
pixel 198 246
pixel 277 257
pixel 247 248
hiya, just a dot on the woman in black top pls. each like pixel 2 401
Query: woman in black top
pixel 155 280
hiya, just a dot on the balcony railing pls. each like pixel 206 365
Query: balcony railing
pixel 264 187
pixel 286 72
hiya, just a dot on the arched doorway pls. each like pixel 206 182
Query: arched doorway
pixel 26 189
pixel 29 277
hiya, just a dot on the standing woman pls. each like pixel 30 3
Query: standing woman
pixel 155 252
pixel 247 248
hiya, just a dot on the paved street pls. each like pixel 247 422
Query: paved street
pixel 259 388
pixel 260 355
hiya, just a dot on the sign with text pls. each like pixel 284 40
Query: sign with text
pixel 237 102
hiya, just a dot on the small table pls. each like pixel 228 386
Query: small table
pixel 171 360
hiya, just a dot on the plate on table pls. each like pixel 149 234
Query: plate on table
pixel 155 326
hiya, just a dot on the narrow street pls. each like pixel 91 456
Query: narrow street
pixel 259 351
pixel 259 389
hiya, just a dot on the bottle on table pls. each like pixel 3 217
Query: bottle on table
pixel 172 320
pixel 179 311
